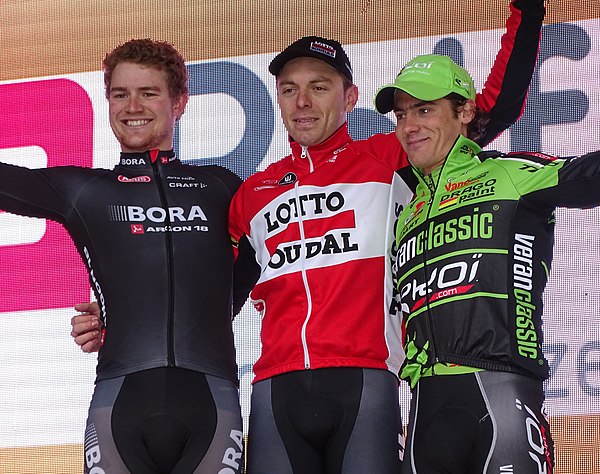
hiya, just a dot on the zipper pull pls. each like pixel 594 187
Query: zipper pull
pixel 306 156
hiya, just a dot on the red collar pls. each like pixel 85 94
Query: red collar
pixel 325 150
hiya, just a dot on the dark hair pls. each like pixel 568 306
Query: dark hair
pixel 157 54
pixel 476 127
pixel 346 82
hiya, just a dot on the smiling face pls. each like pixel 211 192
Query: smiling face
pixel 312 100
pixel 142 113
pixel 428 130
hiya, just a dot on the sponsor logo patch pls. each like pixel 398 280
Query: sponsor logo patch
pixel 323 48
pixel 134 179
pixel 289 178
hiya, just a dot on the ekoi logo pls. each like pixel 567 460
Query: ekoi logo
pixel 449 280
pixel 537 439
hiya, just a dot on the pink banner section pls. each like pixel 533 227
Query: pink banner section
pixel 55 115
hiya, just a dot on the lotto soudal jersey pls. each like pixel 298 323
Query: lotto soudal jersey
pixel 474 254
pixel 320 221
pixel 153 235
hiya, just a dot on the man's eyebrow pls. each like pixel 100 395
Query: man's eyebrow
pixel 414 106
pixel 144 88
pixel 313 81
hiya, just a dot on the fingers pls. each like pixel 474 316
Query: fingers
pixel 83 323
pixel 89 341
pixel 86 328
pixel 90 308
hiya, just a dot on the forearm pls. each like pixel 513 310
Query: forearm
pixel 505 91
pixel 28 192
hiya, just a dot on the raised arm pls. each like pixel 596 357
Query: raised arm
pixel 505 90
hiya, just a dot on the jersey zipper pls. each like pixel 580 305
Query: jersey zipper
pixel 432 187
pixel 169 256
pixel 304 155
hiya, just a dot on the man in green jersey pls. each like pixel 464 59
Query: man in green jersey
pixel 474 251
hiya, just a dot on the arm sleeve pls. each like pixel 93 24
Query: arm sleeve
pixel 246 270
pixel 33 193
pixel 505 90
pixel 245 274
pixel 572 182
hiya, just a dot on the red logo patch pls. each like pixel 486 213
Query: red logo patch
pixel 135 179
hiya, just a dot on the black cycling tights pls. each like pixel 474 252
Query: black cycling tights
pixel 165 420
pixel 326 421
pixel 481 423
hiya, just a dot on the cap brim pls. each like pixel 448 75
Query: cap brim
pixel 287 55
pixel 384 99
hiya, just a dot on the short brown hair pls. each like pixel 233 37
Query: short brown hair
pixel 157 54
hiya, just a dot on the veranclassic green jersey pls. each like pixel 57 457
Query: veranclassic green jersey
pixel 474 252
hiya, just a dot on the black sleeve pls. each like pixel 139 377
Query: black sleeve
pixel 578 184
pixel 505 90
pixel 34 193
pixel 245 274
pixel 231 180
pixel 246 269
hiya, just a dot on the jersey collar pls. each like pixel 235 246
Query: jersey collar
pixel 146 158
pixel 323 151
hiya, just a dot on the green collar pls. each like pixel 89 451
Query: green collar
pixel 462 157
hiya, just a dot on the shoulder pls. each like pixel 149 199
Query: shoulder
pixel 383 147
pixel 527 157
pixel 275 171
pixel 225 176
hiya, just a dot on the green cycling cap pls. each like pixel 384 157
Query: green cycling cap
pixel 429 77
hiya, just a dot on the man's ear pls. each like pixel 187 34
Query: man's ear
pixel 179 104
pixel 351 97
pixel 467 113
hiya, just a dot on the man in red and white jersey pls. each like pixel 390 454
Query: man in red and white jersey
pixel 325 394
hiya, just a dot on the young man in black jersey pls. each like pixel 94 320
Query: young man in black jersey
pixel 161 263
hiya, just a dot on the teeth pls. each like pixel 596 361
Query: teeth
pixel 136 123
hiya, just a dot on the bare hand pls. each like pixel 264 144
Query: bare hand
pixel 87 327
